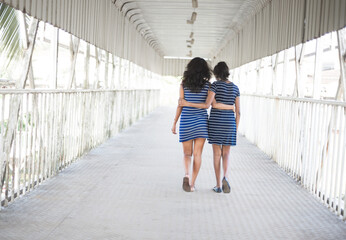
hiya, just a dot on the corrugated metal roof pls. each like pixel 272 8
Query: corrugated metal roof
pixel 236 31
pixel 166 21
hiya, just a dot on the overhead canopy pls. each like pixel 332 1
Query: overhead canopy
pixel 167 20
pixel 282 24
pixel 144 31
pixel 99 22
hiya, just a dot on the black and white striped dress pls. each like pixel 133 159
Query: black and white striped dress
pixel 222 126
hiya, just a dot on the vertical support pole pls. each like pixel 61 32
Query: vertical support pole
pixel 120 75
pixel 113 73
pixel 74 48
pixel 274 70
pixel 106 70
pixel 284 78
pixel 26 46
pixel 54 53
pixel 246 73
pixel 344 217
pixel 20 84
pixel 316 93
pixel 129 77
pixel 31 78
pixel 86 66
pixel 258 76
pixel 97 72
pixel 341 92
pixel 300 81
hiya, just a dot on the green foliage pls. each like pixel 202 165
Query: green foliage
pixel 9 33
pixel 25 122
pixel 22 124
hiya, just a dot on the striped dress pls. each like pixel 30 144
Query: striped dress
pixel 222 126
pixel 194 121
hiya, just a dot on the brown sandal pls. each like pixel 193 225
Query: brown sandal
pixel 226 188
pixel 186 184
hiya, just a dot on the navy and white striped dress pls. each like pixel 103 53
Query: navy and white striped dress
pixel 222 126
pixel 194 121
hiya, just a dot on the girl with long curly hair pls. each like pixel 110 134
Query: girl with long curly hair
pixel 193 129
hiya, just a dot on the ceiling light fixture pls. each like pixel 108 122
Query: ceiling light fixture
pixel 193 18
pixel 194 4
pixel 191 41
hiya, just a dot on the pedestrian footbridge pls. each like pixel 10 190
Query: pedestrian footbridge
pixel 130 188
pixel 87 99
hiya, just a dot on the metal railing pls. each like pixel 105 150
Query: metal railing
pixel 306 137
pixel 52 128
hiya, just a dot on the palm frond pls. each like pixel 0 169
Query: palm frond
pixel 9 34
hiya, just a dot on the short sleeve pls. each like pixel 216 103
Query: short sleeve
pixel 238 93
pixel 213 87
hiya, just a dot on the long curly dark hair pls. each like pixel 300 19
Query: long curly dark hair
pixel 196 75
pixel 221 71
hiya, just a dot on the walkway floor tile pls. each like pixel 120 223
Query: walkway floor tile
pixel 130 188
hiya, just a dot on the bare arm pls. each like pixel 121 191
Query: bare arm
pixel 206 104
pixel 178 111
pixel 222 106
pixel 237 111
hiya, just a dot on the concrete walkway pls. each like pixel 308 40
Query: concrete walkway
pixel 130 188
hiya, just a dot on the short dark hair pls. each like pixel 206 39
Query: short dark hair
pixel 221 71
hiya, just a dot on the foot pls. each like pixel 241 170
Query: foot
pixel 217 189
pixel 192 189
pixel 226 188
pixel 186 184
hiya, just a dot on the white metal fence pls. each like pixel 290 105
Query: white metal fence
pixel 53 128
pixel 305 137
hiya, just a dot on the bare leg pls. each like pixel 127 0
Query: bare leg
pixel 217 161
pixel 225 160
pixel 197 159
pixel 187 148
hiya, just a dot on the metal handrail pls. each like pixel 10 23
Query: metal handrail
pixel 306 137
pixel 43 131
pixel 319 101
pixel 25 91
